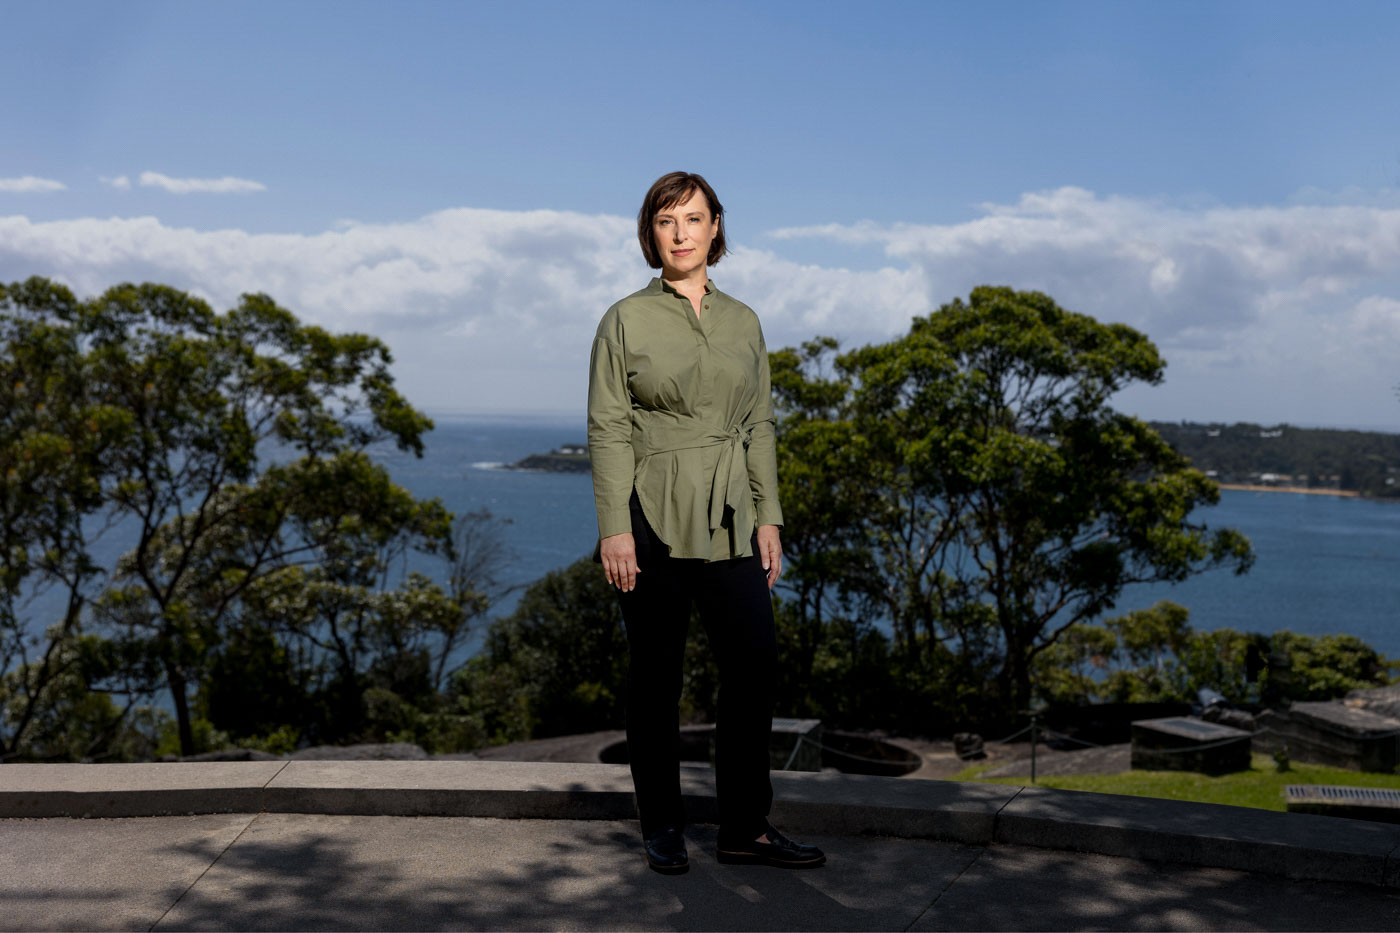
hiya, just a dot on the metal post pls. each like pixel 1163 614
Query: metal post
pixel 1034 737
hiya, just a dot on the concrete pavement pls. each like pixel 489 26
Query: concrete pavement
pixel 437 845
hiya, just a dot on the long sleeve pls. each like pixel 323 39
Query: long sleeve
pixel 610 431
pixel 763 455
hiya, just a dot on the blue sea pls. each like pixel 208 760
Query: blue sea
pixel 1325 564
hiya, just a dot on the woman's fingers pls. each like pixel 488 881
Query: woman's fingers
pixel 770 551
pixel 619 555
pixel 627 575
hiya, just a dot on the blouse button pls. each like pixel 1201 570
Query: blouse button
pixel 707 307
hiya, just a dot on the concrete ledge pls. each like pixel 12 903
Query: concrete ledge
pixel 500 789
pixel 1292 845
pixel 134 789
pixel 853 804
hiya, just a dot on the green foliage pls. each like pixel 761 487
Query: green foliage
pixel 146 407
pixel 837 671
pixel 207 738
pixel 555 666
pixel 56 432
pixel 1153 655
pixel 970 483
pixel 1325 667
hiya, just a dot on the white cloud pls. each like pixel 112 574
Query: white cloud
pixel 1235 296
pixel 30 184
pixel 1169 270
pixel 1375 318
pixel 121 182
pixel 225 185
pixel 1287 313
pixel 469 300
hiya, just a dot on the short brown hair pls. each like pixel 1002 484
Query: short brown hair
pixel 668 191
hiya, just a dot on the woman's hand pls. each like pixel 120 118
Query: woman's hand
pixel 770 552
pixel 619 556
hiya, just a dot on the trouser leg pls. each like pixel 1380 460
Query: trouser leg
pixel 737 611
pixel 656 615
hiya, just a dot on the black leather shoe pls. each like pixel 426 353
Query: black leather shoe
pixel 779 850
pixel 666 851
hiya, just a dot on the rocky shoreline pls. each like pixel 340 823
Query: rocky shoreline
pixel 568 458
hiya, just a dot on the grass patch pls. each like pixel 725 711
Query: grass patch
pixel 1261 786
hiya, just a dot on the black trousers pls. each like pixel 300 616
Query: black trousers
pixel 737 613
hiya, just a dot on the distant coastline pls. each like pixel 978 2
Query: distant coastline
pixel 569 458
pixel 1305 490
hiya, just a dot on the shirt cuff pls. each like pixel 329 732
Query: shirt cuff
pixel 769 513
pixel 615 523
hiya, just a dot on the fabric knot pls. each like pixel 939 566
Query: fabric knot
pixel 731 484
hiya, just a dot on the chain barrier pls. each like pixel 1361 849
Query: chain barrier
pixel 835 751
pixel 1069 738
pixel 1013 735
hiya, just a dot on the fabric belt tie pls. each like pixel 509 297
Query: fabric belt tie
pixel 733 471
pixel 731 484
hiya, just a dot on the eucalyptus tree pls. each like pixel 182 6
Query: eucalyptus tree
pixel 981 492
pixel 228 448
pixel 55 433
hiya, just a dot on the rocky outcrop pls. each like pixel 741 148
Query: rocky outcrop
pixel 1332 733
pixel 1384 701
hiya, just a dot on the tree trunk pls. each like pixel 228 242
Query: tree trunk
pixel 1016 676
pixel 182 707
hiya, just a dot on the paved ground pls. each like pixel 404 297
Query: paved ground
pixel 290 871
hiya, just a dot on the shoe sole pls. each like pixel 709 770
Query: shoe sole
pixel 753 858
pixel 669 869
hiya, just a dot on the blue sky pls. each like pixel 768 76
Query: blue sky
pixel 458 178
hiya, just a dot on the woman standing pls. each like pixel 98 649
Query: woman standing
pixel 685 478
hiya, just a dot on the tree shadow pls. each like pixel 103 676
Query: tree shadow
pixel 1016 888
pixel 331 873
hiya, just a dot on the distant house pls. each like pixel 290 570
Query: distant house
pixel 573 450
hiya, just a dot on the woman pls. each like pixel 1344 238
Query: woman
pixel 685 478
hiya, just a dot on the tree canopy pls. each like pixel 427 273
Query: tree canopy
pixel 970 483
pixel 230 450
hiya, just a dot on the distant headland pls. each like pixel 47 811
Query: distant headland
pixel 1284 458
pixel 567 458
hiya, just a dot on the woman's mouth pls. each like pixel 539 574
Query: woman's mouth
pixel 681 252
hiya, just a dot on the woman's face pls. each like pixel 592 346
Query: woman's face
pixel 683 235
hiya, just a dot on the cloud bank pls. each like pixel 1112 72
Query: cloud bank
pixel 30 184
pixel 1281 313
pixel 1287 311
pixel 225 185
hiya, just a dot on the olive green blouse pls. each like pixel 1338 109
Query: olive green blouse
pixel 681 408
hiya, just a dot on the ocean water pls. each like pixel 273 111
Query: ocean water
pixel 1325 564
